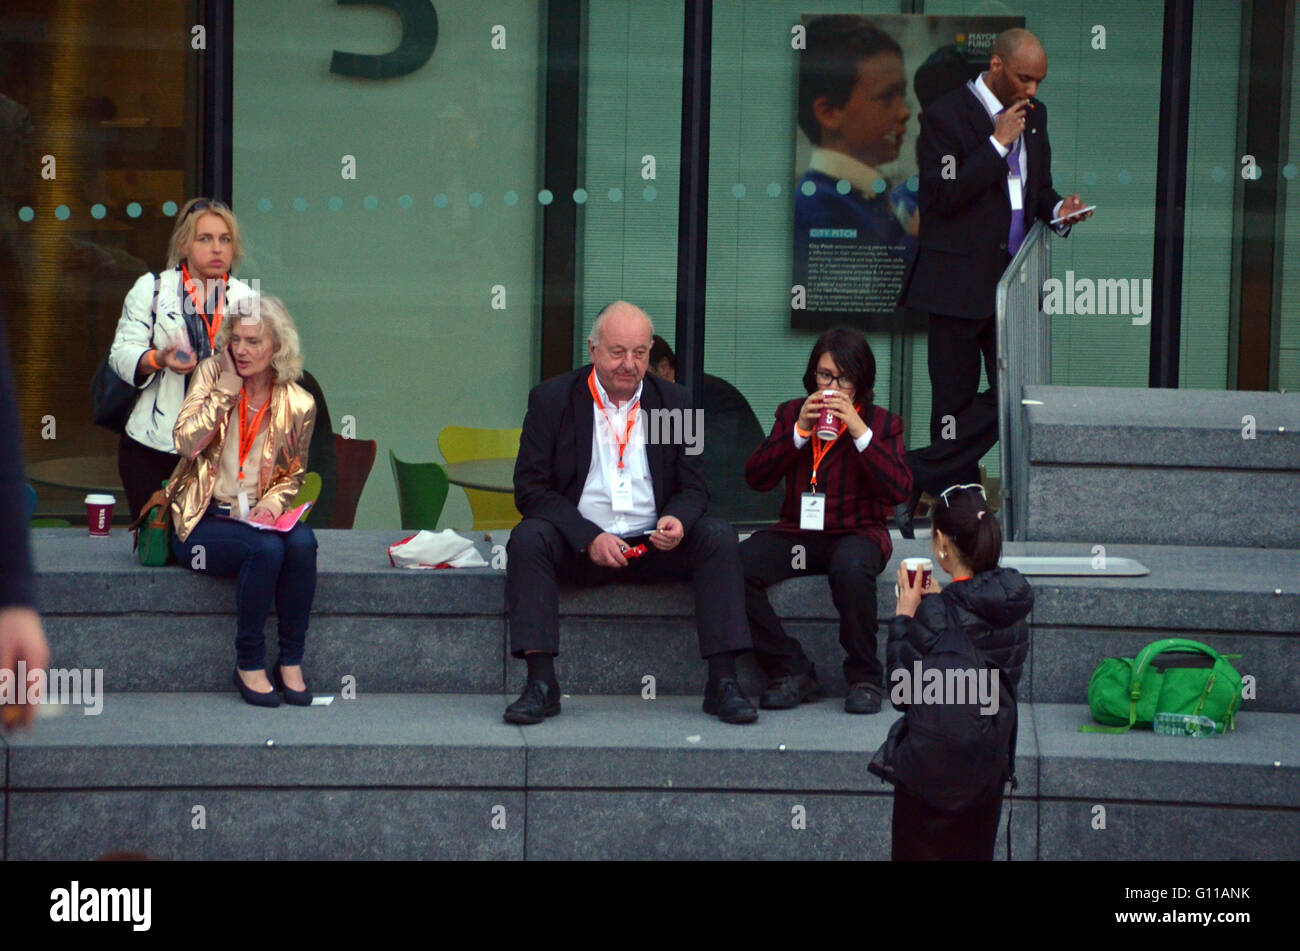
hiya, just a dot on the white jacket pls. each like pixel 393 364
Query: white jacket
pixel 153 416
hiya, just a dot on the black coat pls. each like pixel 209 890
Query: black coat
pixel 965 215
pixel 555 456
pixel 990 608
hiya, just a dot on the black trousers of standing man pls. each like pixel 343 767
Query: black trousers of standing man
pixel 538 557
pixel 956 345
pixel 851 563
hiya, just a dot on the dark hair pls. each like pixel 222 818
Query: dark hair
pixel 978 538
pixel 659 350
pixel 829 65
pixel 851 353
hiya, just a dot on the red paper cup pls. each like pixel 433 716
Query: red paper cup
pixel 828 427
pixel 99 513
pixel 923 565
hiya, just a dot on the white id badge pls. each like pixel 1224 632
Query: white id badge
pixel 812 512
pixel 243 504
pixel 621 492
pixel 1017 193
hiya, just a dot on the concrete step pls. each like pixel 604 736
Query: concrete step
pixel 421 776
pixel 391 630
pixel 1165 467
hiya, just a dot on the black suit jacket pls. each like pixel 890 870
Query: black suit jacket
pixel 965 217
pixel 555 457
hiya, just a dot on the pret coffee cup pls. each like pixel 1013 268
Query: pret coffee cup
pixel 99 513
pixel 828 427
pixel 923 565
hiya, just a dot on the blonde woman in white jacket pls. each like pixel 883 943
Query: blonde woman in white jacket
pixel 168 324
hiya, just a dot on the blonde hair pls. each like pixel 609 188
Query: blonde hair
pixel 187 220
pixel 272 314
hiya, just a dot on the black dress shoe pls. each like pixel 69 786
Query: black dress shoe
pixel 862 699
pixel 787 692
pixel 299 698
pixel 725 700
pixel 538 701
pixel 252 696
pixel 904 512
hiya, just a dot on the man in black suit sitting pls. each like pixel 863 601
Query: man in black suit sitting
pixel 986 173
pixel 592 490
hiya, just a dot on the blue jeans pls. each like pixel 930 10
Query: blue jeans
pixel 266 565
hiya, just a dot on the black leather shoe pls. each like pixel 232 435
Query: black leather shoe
pixel 862 699
pixel 904 512
pixel 250 695
pixel 538 701
pixel 299 698
pixel 725 700
pixel 785 693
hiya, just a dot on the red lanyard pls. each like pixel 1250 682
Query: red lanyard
pixel 247 434
pixel 212 325
pixel 631 417
pixel 820 447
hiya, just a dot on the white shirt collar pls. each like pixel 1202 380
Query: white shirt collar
pixel 985 95
pixel 608 401
pixel 838 165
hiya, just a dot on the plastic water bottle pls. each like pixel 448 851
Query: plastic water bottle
pixel 1184 724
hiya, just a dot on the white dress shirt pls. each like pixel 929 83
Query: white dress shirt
pixel 596 503
pixel 990 102
pixel 860 443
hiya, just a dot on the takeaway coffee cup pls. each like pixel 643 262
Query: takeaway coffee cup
pixel 923 565
pixel 99 513
pixel 828 427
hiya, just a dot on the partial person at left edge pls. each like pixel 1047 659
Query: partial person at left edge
pixel 168 324
pixel 21 636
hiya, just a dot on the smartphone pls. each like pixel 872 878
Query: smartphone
pixel 1057 221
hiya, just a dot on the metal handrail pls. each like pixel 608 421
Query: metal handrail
pixel 1024 341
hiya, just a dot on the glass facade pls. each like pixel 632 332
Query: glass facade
pixel 403 219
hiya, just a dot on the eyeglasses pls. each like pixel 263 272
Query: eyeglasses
pixel 943 496
pixel 203 205
pixel 826 378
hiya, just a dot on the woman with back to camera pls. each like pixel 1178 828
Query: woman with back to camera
pixel 988 605
pixel 243 434
pixel 161 338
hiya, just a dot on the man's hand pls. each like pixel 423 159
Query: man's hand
pixel 668 534
pixel 842 408
pixel 810 411
pixel 607 550
pixel 1009 123
pixel 21 638
pixel 1070 209
pixel 261 516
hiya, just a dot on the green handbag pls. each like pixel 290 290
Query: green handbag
pixel 1174 675
pixel 153 530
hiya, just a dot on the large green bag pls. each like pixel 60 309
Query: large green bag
pixel 1174 675
pixel 153 530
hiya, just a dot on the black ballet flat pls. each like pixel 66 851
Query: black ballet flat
pixel 297 698
pixel 252 696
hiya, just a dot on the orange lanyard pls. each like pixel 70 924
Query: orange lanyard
pixel 247 434
pixel 963 578
pixel 820 448
pixel 631 417
pixel 212 325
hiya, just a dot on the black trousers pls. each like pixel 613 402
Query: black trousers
pixel 538 557
pixel 142 470
pixel 851 564
pixel 956 346
pixel 923 834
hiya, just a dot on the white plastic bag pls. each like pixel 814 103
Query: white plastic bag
pixel 444 549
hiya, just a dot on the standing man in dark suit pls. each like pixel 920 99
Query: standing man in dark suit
pixel 591 490
pixel 986 173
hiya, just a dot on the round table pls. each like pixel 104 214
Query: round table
pixel 490 475
pixel 88 473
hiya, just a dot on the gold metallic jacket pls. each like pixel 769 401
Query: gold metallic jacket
pixel 205 421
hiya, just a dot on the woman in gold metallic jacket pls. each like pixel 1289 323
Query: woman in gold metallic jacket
pixel 242 434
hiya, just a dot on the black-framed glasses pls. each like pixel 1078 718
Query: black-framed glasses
pixel 826 378
pixel 943 496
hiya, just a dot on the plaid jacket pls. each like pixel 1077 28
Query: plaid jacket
pixel 861 488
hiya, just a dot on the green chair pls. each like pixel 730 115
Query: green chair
pixel 309 492
pixel 421 492
pixel 463 444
